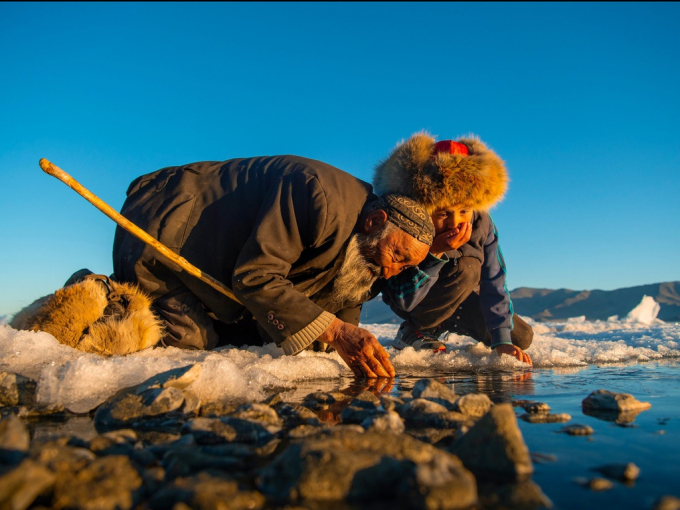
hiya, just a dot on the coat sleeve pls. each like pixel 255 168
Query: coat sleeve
pixel 493 291
pixel 407 289
pixel 292 218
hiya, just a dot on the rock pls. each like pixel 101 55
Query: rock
pixel 328 398
pixel 192 404
pixel 61 458
pixel 628 472
pixel 257 412
pixel 366 400
pixel 356 415
pixel 384 422
pixel 474 404
pixel 524 495
pixel 107 483
pixel 577 430
pixel 390 403
pixel 274 399
pixel 206 492
pixel 667 503
pixel 440 437
pixel 215 409
pixel 422 414
pixel 14 440
pixel 187 461
pixel 294 415
pixel 494 449
pixel 16 390
pixel 435 391
pixel 20 487
pixel 595 484
pixel 303 431
pixel 368 468
pixel 227 429
pixel 178 378
pixel 536 407
pixel 137 409
pixel 545 417
pixel 604 400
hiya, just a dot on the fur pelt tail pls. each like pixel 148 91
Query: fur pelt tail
pixel 84 316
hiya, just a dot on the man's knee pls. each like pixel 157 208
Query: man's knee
pixel 522 333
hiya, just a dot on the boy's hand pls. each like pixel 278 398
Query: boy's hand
pixel 515 351
pixel 451 239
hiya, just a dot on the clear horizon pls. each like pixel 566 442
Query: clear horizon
pixel 580 99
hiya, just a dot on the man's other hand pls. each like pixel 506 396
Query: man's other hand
pixel 515 351
pixel 359 349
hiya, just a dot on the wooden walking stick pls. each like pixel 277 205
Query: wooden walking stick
pixel 57 172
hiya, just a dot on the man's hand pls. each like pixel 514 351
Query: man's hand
pixel 515 351
pixel 359 349
pixel 451 239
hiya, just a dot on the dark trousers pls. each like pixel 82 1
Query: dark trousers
pixel 453 304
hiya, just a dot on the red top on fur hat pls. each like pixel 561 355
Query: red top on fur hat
pixel 450 147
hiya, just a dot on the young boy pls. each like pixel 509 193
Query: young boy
pixel 460 287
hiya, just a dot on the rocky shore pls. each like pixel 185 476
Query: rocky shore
pixel 157 446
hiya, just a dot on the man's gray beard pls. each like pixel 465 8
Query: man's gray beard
pixel 357 275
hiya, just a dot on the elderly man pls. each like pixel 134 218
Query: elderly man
pixel 298 241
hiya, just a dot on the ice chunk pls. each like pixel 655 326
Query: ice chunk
pixel 645 312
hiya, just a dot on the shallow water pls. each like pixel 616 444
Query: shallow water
pixel 571 360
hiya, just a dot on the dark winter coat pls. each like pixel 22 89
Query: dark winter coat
pixel 273 229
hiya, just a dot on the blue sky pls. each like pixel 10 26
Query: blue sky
pixel 580 99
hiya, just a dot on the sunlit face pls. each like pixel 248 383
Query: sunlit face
pixel 396 252
pixel 451 217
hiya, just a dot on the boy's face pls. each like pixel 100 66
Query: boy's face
pixel 451 217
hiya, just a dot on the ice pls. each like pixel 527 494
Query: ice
pixel 81 381
pixel 645 312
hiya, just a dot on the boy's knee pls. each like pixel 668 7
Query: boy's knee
pixel 522 333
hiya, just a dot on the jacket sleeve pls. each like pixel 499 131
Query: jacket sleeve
pixel 291 219
pixel 493 291
pixel 407 289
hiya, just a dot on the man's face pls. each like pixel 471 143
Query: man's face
pixel 396 252
pixel 451 217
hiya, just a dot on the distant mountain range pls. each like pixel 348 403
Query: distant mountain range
pixel 561 304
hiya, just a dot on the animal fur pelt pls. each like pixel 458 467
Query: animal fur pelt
pixel 95 315
pixel 478 180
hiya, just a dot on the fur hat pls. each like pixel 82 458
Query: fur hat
pixel 96 315
pixel 443 176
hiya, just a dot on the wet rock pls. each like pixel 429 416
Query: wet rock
pixel 227 429
pixel 390 403
pixel 422 414
pixel 21 486
pixel 356 415
pixel 545 417
pixel 667 503
pixel 185 461
pixel 303 431
pixel 178 378
pixel 384 422
pixel 217 408
pixel 366 400
pixel 474 404
pixel 60 457
pixel 16 390
pixel 595 484
pixel 257 412
pixel 406 396
pixel 628 472
pixel 106 483
pixel 154 437
pixel 440 437
pixel 435 391
pixel 324 397
pixel 577 430
pixel 367 468
pixel 137 409
pixel 536 407
pixel 14 440
pixel 240 451
pixel 272 400
pixel 524 495
pixel 603 400
pixel 206 492
pixel 294 415
pixel 494 449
